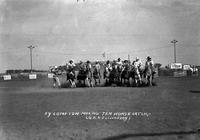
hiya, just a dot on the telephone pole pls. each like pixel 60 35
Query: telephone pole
pixel 174 42
pixel 31 47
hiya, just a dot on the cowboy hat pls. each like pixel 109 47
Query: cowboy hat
pixel 148 58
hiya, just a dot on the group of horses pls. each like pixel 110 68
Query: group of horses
pixel 86 74
pixel 129 75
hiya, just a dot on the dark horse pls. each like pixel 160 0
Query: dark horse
pixel 114 75
pixel 71 77
pixel 85 74
pixel 125 75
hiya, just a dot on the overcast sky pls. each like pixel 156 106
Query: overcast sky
pixel 65 29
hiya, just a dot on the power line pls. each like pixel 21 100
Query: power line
pixel 124 52
pixel 91 34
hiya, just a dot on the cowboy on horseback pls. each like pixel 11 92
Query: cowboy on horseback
pixel 96 72
pixel 71 73
pixel 108 65
pixel 119 64
pixel 125 73
pixel 82 74
pixel 136 72
pixel 81 65
pixel 56 80
pixel 89 71
pixel 137 65
pixel 119 69
pixel 114 73
pixel 106 73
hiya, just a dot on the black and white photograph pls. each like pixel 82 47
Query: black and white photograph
pixel 99 70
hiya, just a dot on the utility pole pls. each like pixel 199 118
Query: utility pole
pixel 174 42
pixel 31 47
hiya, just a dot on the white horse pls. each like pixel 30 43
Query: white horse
pixel 56 72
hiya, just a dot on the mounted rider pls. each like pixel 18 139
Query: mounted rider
pixel 138 64
pixel 88 65
pixel 97 65
pixel 71 72
pixel 89 71
pixel 114 73
pixel 71 66
pixel 108 65
pixel 81 66
pixel 82 74
pixel 149 64
pixel 114 65
pixel 107 70
pixel 119 65
pixel 96 72
pixel 137 68
pixel 56 80
pixel 125 73
pixel 125 65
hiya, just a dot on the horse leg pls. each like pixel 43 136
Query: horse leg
pixel 73 83
pixel 58 82
pixel 99 79
pixel 150 80
pixel 70 81
pixel 136 82
pixel 146 80
pixel 121 80
pixel 130 81
pixel 79 82
pixel 110 80
pixel 107 81
pixel 54 82
pixel 91 83
pixel 129 84
pixel 88 83
pixel 125 81
pixel 84 83
pixel 153 81
pixel 140 79
pixel 95 81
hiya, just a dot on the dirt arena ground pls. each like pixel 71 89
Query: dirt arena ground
pixel 171 111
